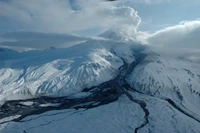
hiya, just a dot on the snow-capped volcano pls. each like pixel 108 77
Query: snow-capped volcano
pixel 120 34
pixel 101 85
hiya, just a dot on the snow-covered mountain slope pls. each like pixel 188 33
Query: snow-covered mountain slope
pixel 61 72
pixel 122 116
pixel 101 85
pixel 165 77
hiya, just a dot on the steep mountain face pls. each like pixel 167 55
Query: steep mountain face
pixel 169 78
pixel 98 86
pixel 61 72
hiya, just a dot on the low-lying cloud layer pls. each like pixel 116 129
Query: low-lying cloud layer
pixel 182 39
pixel 184 35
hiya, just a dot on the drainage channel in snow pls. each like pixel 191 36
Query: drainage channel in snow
pixel 145 110
pixel 105 93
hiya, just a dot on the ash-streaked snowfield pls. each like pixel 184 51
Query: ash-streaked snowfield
pixel 88 66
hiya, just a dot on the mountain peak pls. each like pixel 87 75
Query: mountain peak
pixel 120 34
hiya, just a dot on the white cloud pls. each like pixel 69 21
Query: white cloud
pixel 182 39
pixel 57 15
pixel 184 35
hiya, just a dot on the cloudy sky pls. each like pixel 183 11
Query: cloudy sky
pixel 89 17
pixel 161 23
